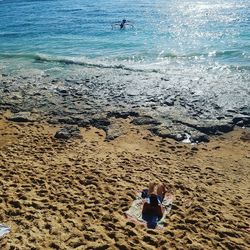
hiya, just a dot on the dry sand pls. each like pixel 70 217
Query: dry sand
pixel 73 194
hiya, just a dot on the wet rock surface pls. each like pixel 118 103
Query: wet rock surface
pixel 242 120
pixel 170 110
pixel 209 127
pixel 124 114
pixel 22 117
pixel 101 123
pixel 180 133
pixel 146 120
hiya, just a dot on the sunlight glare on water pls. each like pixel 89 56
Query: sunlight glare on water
pixel 167 34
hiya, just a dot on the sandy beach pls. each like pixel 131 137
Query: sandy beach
pixel 73 194
pixel 98 99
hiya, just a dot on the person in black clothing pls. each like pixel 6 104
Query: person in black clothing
pixel 122 24
pixel 153 209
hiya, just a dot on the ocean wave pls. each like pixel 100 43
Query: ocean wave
pixel 212 53
pixel 229 53
pixel 135 64
pixel 83 62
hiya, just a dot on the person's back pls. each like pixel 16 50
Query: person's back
pixel 152 211
pixel 153 207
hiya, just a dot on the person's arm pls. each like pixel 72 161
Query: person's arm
pixel 130 23
pixel 160 211
pixel 161 191
pixel 115 24
pixel 151 188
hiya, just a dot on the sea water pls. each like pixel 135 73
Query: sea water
pixel 204 44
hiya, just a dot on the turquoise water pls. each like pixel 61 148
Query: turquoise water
pixel 209 32
pixel 175 37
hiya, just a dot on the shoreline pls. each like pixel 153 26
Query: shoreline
pixel 89 102
pixel 67 194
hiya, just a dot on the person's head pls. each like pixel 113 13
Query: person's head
pixel 124 21
pixel 153 200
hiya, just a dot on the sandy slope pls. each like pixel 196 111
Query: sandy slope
pixel 72 195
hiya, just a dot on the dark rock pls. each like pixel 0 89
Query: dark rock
pixel 180 133
pixel 122 114
pixel 101 123
pixel 215 129
pixel 242 120
pixel 231 111
pixel 83 122
pixel 164 79
pixel 216 106
pixel 6 91
pixel 57 113
pixel 209 127
pixel 199 137
pixel 229 116
pixel 169 101
pixel 245 110
pixel 166 133
pixel 80 120
pixel 74 120
pixel 21 117
pixel 220 117
pixel 66 120
pixel 240 124
pixel 68 132
pixel 53 120
pixel 146 120
pixel 62 91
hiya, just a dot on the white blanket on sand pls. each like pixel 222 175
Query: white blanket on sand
pixel 4 230
pixel 135 210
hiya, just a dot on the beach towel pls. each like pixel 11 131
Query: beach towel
pixel 4 230
pixel 135 211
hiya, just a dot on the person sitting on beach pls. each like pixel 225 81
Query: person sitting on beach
pixel 153 209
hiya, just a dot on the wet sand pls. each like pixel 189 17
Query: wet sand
pixel 72 194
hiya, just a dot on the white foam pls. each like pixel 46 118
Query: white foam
pixel 187 140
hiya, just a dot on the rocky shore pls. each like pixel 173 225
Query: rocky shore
pixel 181 115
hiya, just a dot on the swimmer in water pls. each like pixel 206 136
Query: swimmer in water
pixel 122 24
